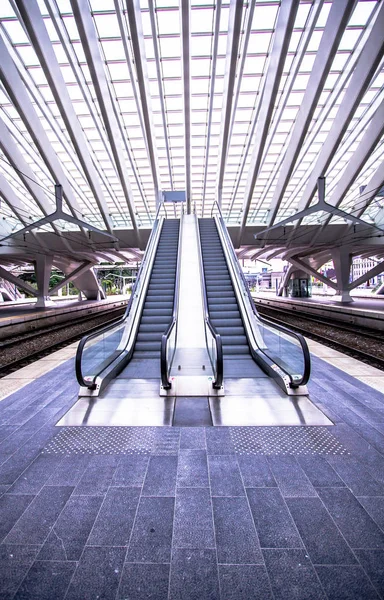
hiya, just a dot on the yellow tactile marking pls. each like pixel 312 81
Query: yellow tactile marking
pixel 357 369
pixel 15 381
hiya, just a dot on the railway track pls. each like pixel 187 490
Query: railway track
pixel 21 350
pixel 363 344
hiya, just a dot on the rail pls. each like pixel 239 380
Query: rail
pixel 295 380
pixel 216 357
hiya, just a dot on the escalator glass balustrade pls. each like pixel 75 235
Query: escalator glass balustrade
pixel 245 335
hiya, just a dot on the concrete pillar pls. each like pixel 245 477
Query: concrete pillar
pixel 342 261
pixel 43 267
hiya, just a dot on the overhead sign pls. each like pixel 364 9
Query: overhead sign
pixel 174 196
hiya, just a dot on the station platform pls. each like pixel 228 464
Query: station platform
pixel 192 513
pixel 22 316
pixel 364 311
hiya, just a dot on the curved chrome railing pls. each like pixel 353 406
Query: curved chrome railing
pixel 283 353
pixel 167 353
pixel 104 353
pixel 212 337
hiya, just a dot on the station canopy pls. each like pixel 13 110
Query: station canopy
pixel 243 103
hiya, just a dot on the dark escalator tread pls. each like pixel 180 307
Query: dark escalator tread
pixel 222 302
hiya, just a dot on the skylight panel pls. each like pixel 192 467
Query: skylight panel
pixel 259 43
pixel 349 39
pixel 15 32
pixel 201 45
pixel 202 20
pixel 113 50
pixel 107 25
pixel 6 9
pixel 168 22
pixel 70 25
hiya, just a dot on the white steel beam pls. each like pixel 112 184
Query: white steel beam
pixel 366 66
pixel 375 184
pixel 337 21
pixel 211 96
pixel 281 41
pixel 39 37
pixel 18 282
pixel 88 36
pixel 155 40
pixel 16 90
pixel 233 42
pixel 138 46
pixel 186 60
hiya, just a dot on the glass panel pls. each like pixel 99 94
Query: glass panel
pixel 100 351
pixel 284 350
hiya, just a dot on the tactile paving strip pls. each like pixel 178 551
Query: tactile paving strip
pixel 285 440
pixel 102 440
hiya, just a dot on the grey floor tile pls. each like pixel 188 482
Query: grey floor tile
pixel 151 538
pixel 346 583
pixel 160 479
pixel 97 575
pixel 356 525
pixel 143 581
pixel 292 575
pixel 95 480
pixel 274 524
pixel 15 561
pixel 224 476
pixel 191 412
pixel 37 520
pixel 372 562
pixel 194 575
pixel 244 582
pixel 11 509
pixel 192 469
pixel 71 470
pixel 131 471
pixel 114 522
pixel 375 508
pixel 69 535
pixel 46 580
pixel 236 537
pixel 356 477
pixel 193 526
pixel 321 537
pixel 192 438
pixel 219 441
pixel 255 471
pixel 32 479
pixel 5 431
pixel 319 472
pixel 290 477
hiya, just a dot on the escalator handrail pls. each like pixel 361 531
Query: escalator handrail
pixel 304 346
pixel 164 338
pixel 217 384
pixel 85 339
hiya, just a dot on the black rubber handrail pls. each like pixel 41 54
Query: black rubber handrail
pixel 79 353
pixel 166 384
pixel 219 375
pixel 304 346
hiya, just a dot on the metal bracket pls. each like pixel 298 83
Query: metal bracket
pixel 59 214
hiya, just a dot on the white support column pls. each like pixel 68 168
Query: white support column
pixel 282 291
pixel 342 261
pixel 43 266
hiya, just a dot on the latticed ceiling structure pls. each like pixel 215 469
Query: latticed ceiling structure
pixel 242 103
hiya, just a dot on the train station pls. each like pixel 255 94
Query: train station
pixel 192 299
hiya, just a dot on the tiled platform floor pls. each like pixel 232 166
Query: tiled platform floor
pixel 188 517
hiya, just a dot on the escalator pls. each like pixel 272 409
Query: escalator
pixel 252 346
pixel 131 348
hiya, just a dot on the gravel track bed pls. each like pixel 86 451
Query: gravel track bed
pixel 356 338
pixel 46 339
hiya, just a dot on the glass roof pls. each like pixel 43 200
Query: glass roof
pixel 174 81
